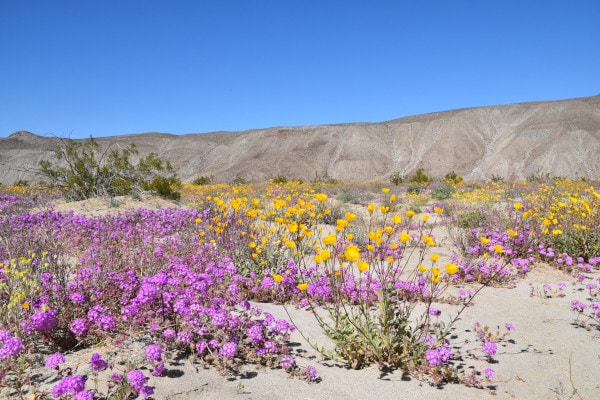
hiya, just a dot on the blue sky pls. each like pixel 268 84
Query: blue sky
pixel 109 67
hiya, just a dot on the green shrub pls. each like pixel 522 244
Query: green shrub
pixel 396 178
pixel 413 190
pixel 497 178
pixel 280 179
pixel 471 219
pixel 442 192
pixel 420 177
pixel 353 196
pixel 239 181
pixel 203 180
pixel 79 171
pixel 453 178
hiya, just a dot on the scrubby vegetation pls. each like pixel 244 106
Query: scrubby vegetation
pixel 79 170
pixel 363 259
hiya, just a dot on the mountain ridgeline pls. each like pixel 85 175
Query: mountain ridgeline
pixel 553 138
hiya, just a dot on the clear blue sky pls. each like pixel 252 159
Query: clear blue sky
pixel 107 67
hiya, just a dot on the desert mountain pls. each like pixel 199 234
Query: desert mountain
pixel 559 138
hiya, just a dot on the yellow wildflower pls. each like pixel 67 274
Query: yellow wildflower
pixel 404 237
pixel 352 253
pixel 410 213
pixel 350 217
pixel 451 268
pixel 362 266
pixel 302 286
pixel 277 278
pixel 330 240
pixel 434 257
pixel 321 197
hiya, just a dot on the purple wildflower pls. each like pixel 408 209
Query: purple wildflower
pixel 77 297
pixel 84 395
pixel 158 369
pixel 488 372
pixel 106 322
pixel 310 372
pixel 54 360
pixel 228 350
pixel 154 352
pixel 255 333
pixel 185 336
pixel 11 347
pixel 286 362
pixel 509 326
pixel 489 348
pixel 79 326
pixel 69 384
pixel 169 333
pixel 146 391
pixel 43 320
pixel 97 363
pixel 136 379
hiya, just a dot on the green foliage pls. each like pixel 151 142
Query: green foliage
pixel 239 181
pixel 453 178
pixel 471 219
pixel 420 177
pixel 21 183
pixel 442 192
pixel 79 171
pixel 497 178
pixel 539 177
pixel 203 180
pixel 280 179
pixel 396 178
pixel 353 196
pixel 583 244
pixel 413 190
pixel 325 179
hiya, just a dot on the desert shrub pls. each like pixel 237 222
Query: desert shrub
pixel 471 218
pixel 239 181
pixel 203 180
pixel 279 179
pixel 442 192
pixel 396 178
pixel 80 172
pixel 453 178
pixel 21 183
pixel 413 190
pixel 325 179
pixel 353 196
pixel 420 177
pixel 497 178
pixel 566 214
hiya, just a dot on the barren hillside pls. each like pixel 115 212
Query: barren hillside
pixel 560 138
